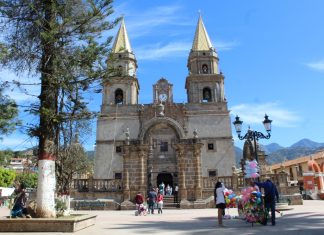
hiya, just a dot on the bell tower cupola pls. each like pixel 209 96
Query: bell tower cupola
pixel 204 83
pixel 122 86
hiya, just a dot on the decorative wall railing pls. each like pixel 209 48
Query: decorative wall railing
pixel 237 182
pixel 231 182
pixel 97 185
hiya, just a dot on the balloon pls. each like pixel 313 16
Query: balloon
pixel 253 165
pixel 255 175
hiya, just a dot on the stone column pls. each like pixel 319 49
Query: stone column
pixel 126 204
pixel 126 191
pixel 198 176
pixel 142 154
pixel 182 174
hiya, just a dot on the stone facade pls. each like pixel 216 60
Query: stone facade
pixel 146 144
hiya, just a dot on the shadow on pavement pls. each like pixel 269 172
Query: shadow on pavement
pixel 299 223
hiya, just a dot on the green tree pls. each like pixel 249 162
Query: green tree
pixel 61 41
pixel 5 156
pixel 29 179
pixel 71 160
pixel 9 113
pixel 7 177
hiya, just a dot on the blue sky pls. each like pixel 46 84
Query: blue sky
pixel 271 53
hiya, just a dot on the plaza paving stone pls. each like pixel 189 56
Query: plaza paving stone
pixel 305 219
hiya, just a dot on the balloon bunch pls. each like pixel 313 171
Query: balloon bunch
pixel 246 194
pixel 251 169
pixel 251 204
pixel 230 198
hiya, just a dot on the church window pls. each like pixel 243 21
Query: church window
pixel 119 96
pixel 118 175
pixel 118 149
pixel 212 173
pixel 119 70
pixel 206 94
pixel 205 68
pixel 210 146
pixel 164 146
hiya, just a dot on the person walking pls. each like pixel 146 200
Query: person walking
pixel 152 197
pixel 176 190
pixel 270 194
pixel 220 201
pixel 160 203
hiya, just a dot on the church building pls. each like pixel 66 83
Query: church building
pixel 179 144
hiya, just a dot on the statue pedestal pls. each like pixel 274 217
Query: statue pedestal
pixel 127 205
pixel 185 204
pixel 199 204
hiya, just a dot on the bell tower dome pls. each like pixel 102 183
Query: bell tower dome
pixel 122 86
pixel 204 83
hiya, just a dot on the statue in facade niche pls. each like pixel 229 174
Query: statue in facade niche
pixel 160 110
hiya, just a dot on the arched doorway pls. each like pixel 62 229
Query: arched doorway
pixel 166 178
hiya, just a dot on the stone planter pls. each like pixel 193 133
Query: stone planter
pixel 72 223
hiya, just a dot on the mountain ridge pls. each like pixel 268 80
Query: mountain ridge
pixel 276 153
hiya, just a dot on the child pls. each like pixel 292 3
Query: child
pixel 160 203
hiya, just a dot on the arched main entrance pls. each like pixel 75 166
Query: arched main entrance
pixel 162 165
pixel 166 178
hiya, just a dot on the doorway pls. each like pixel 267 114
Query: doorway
pixel 166 178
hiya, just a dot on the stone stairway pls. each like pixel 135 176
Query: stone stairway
pixel 168 202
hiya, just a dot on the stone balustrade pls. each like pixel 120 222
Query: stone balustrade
pixel 97 185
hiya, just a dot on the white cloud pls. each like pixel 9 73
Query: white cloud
pixel 142 22
pixel 254 113
pixel 158 51
pixel 158 20
pixel 174 49
pixel 225 46
pixel 317 65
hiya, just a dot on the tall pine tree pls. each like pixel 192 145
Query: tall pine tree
pixel 61 41
pixel 8 111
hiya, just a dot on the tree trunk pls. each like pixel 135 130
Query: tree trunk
pixel 46 189
pixel 48 141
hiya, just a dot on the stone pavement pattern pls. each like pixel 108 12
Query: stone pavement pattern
pixel 306 219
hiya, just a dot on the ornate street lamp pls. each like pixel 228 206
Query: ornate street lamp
pixel 253 135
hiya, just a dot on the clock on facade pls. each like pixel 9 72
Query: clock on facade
pixel 163 97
